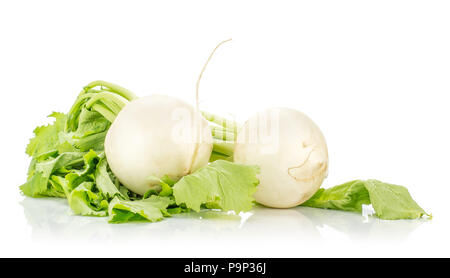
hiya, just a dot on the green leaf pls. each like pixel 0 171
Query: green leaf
pixel 166 190
pixel 104 183
pixel 226 185
pixel 392 202
pixel 67 155
pixel 66 147
pixel 389 201
pixel 38 184
pixel 349 196
pixel 83 201
pixel 167 180
pixel 92 142
pixel 60 182
pixel 152 209
pixel 46 137
pixel 165 183
pixel 86 174
pixel 177 210
pixel 91 131
pixel 90 122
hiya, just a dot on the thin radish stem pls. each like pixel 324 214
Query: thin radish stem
pixel 197 104
pixel 203 70
pixel 112 87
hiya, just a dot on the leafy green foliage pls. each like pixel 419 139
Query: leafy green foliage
pixel 152 209
pixel 83 200
pixel 47 137
pixel 41 170
pixel 392 201
pixel 221 184
pixel 91 131
pixel 68 161
pixel 389 201
pixel 349 196
pixel 107 183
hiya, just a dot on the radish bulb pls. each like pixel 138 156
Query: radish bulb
pixel 154 136
pixel 291 152
pixel 158 135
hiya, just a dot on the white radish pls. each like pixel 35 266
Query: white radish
pixel 291 152
pixel 155 136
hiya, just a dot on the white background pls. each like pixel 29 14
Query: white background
pixel 374 75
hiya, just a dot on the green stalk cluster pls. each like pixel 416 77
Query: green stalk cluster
pixel 224 132
pixel 103 97
pixel 108 99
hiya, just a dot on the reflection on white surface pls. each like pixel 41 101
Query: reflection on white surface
pixel 51 219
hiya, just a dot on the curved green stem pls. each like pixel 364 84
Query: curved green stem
pixel 113 101
pixel 112 87
pixel 114 107
pixel 75 110
pixel 109 101
pixel 102 109
pixel 80 100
